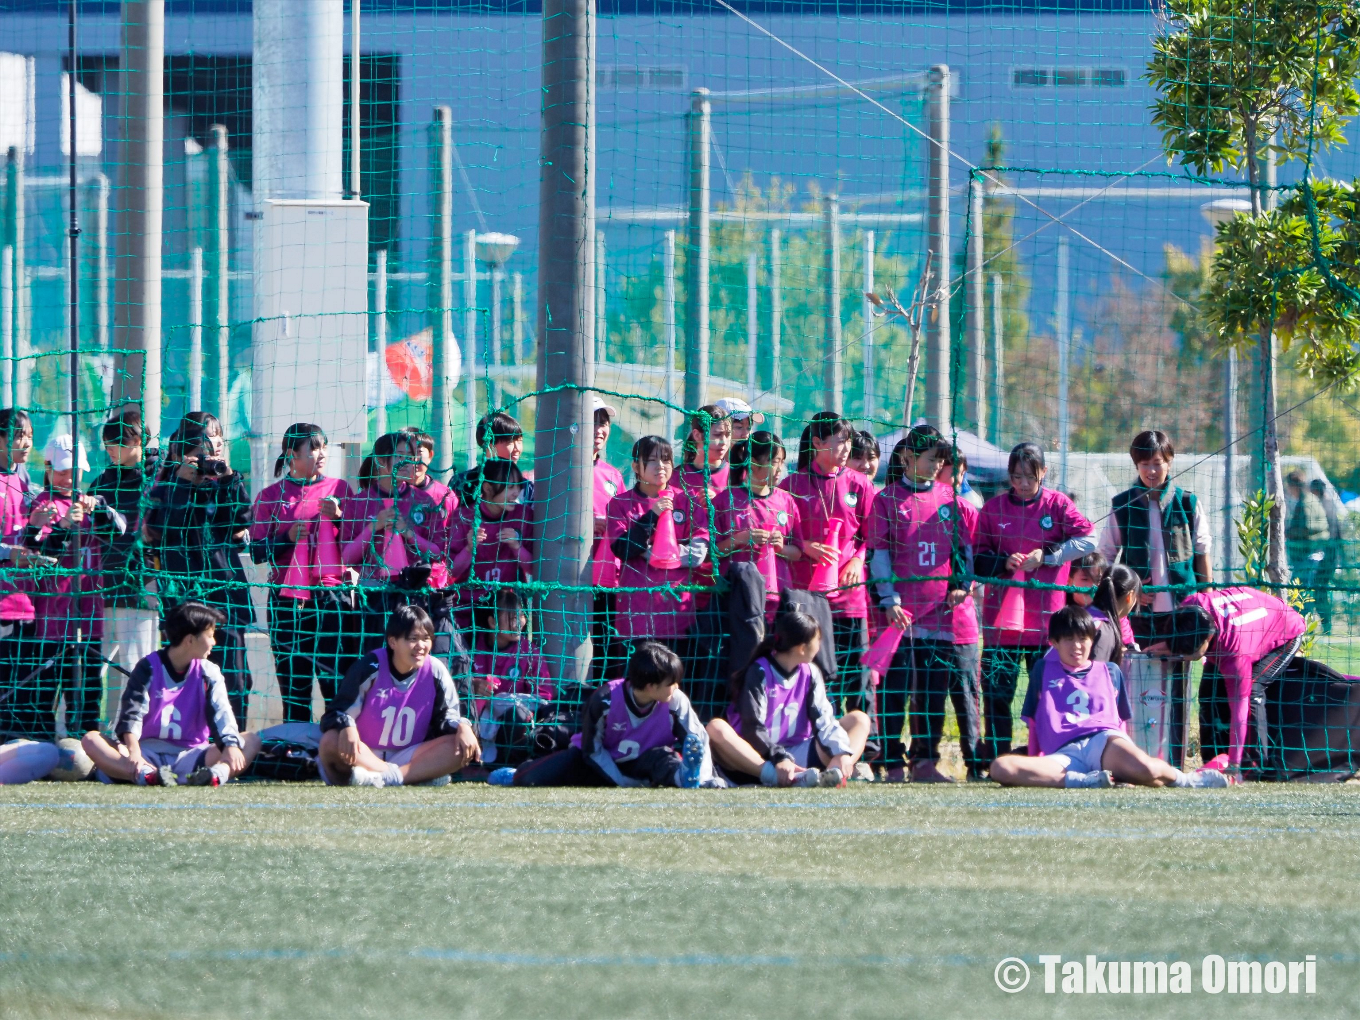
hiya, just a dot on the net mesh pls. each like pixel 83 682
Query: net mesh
pixel 1019 222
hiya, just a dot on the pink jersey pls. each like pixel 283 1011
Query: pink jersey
pixel 281 505
pixel 493 559
pixel 425 544
pixel 57 617
pixel 396 714
pixel 1005 526
pixel 605 565
pixel 737 510
pixel 662 612
pixel 519 668
pixel 693 479
pixel 847 496
pixel 964 621
pixel 444 497
pixel 922 529
pixel 176 713
pixel 15 501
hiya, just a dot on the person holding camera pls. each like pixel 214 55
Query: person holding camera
pixel 196 526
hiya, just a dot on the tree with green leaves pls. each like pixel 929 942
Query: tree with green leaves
pixel 1240 80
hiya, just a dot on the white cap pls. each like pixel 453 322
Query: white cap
pixel 735 407
pixel 597 404
pixel 57 452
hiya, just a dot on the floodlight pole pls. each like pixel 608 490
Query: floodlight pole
pixel 563 447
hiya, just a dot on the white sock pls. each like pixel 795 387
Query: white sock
pixel 1182 779
pixel 392 777
pixel 222 771
pixel 768 776
pixel 1082 780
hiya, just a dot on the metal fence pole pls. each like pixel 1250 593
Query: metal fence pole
pixel 867 324
pixel 668 315
pixel 698 252
pixel 442 340
pixel 998 359
pixel 221 248
pixel 752 328
pixel 833 367
pixel 470 341
pixel 977 333
pixel 938 389
pixel 380 336
pixel 776 313
pixel 1063 324
pixel 196 330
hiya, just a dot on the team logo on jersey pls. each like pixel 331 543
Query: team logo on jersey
pixel 610 486
pixel 1046 521
pixel 513 673
pixel 782 518
pixel 677 517
pixel 418 515
pixel 619 726
pixel 945 513
pixel 851 498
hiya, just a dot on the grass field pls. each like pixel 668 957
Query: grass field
pixel 265 900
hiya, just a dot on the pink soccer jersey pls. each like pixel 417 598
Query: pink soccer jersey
pixel 281 505
pixel 519 668
pixel 1007 525
pixel 1251 624
pixel 846 495
pixel 14 508
pixel 608 484
pixel 662 612
pixel 425 543
pixel 737 509
pixel 921 529
pixel 493 560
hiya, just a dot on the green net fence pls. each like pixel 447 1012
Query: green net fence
pixel 1025 222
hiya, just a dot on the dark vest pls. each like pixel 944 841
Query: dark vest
pixel 1130 510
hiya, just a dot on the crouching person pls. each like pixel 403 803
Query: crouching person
pixel 638 731
pixel 175 723
pixel 395 720
pixel 1076 710
pixel 780 727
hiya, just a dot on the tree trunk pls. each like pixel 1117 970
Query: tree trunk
pixel 1253 171
pixel 1277 570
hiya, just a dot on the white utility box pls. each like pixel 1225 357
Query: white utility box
pixel 310 337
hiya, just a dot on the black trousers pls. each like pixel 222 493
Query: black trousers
pixel 1215 710
pixel 1000 676
pixel 34 674
pixel 313 641
pixel 230 657
pixel 922 675
pixel 565 768
pixel 851 638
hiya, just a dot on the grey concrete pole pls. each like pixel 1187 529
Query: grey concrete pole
pixel 496 274
pixel 521 349
pixel 196 329
pixel 137 280
pixel 698 252
pixel 355 112
pixel 563 457
pixel 221 271
pixel 938 391
pixel 443 338
pixel 752 328
pixel 776 313
pixel 998 359
pixel 601 320
pixel 833 362
pixel 470 369
pixel 100 187
pixel 16 233
pixel 380 336
pixel 977 332
pixel 867 325
pixel 1063 327
pixel 671 418
pixel 7 326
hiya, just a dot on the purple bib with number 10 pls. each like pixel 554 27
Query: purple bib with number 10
pixel 394 716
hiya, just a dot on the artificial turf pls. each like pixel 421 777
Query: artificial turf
pixel 264 900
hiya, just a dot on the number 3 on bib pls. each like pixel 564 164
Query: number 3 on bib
pixel 399 735
pixel 1081 706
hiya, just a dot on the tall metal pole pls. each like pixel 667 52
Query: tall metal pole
pixel 776 314
pixel 221 249
pixel 137 283
pixel 671 418
pixel 833 363
pixel 496 276
pixel 470 336
pixel 101 266
pixel 998 359
pixel 15 221
pixel 354 111
pixel 1062 323
pixel 1229 460
pixel 698 252
pixel 867 320
pixel 601 321
pixel 752 328
pixel 563 452
pixel 196 330
pixel 380 335
pixel 443 339
pixel 977 332
pixel 938 388
pixel 73 264
pixel 517 338
pixel 7 326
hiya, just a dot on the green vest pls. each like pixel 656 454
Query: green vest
pixel 1130 510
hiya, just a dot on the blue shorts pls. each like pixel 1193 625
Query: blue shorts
pixel 1084 755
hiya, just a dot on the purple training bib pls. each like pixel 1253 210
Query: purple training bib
pixel 625 736
pixel 176 713
pixel 1071 707
pixel 394 716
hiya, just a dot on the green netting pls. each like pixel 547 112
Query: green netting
pixel 1025 222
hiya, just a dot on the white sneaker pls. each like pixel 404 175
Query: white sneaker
pixel 360 776
pixel 832 777
pixel 1101 779
pixel 1206 779
pixel 864 773
pixel 810 777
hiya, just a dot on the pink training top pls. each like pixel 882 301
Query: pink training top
pixel 920 529
pixel 176 713
pixel 1251 625
pixel 493 560
pixel 846 495
pixel 519 668
pixel 663 612
pixel 605 565
pixel 14 507
pixel 444 497
pixel 737 510
pixel 397 714
pixel 1007 525
pixel 281 505
pixel 57 617
pixel 692 479
pixel 1071 706
pixel 360 546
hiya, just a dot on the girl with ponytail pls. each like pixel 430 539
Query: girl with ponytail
pixel 780 727
pixel 1116 596
pixel 295 528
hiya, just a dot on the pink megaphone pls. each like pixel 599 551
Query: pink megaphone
pixel 297 575
pixel 330 571
pixel 826 576
pixel 879 657
pixel 1011 615
pixel 665 549
pixel 769 568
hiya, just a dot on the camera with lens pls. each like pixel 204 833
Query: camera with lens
pixel 211 467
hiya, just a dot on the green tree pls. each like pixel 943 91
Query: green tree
pixel 1237 80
